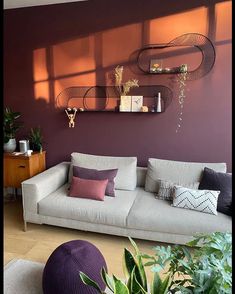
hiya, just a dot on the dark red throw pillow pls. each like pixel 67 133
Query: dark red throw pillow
pixel 94 174
pixel 90 189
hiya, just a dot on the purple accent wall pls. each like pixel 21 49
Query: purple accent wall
pixel 49 48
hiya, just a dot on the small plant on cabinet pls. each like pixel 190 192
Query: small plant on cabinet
pixel 35 138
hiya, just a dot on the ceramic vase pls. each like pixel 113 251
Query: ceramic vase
pixel 10 146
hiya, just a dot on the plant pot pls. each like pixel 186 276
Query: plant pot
pixel 37 147
pixel 10 146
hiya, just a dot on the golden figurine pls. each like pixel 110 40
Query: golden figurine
pixel 71 116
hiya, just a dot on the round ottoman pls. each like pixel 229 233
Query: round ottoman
pixel 61 272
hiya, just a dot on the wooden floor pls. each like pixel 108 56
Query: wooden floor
pixel 40 240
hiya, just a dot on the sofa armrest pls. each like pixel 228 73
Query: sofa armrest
pixel 41 185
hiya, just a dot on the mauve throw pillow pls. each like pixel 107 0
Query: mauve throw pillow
pixel 91 189
pixel 94 174
pixel 212 180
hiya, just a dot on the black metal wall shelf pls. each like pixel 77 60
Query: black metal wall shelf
pixel 193 40
pixel 107 98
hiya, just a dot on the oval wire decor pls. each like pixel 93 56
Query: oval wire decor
pixel 199 41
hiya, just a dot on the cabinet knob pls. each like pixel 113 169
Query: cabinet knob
pixel 21 166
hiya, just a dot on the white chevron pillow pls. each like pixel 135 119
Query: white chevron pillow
pixel 200 200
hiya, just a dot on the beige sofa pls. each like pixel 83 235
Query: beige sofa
pixel 136 213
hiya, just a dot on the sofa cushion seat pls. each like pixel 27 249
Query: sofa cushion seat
pixel 151 214
pixel 112 211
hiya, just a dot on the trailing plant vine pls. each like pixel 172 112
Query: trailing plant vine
pixel 181 78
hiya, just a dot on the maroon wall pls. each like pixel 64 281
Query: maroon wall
pixel 50 48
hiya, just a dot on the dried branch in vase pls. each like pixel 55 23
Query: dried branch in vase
pixel 123 88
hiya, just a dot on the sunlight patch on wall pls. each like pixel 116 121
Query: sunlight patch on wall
pixel 164 29
pixel 74 56
pixel 41 91
pixel 223 15
pixel 119 43
pixel 39 65
pixel 80 80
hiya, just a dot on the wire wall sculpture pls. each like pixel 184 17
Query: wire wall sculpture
pixel 106 98
pixel 195 40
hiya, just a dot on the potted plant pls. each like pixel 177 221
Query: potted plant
pixel 206 269
pixel 10 127
pixel 35 139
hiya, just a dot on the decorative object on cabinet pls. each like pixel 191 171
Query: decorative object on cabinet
pixel 123 88
pixel 10 128
pixel 193 40
pixel 71 114
pixel 107 99
pixel 24 146
pixel 35 139
pixel 18 168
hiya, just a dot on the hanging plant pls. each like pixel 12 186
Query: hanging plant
pixel 182 77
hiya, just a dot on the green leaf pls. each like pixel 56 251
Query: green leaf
pixel 156 284
pixel 193 243
pixel 139 264
pixel 107 279
pixel 146 256
pixel 149 263
pixel 129 261
pixel 137 252
pixel 120 287
pixel 165 285
pixel 86 280
pixel 137 285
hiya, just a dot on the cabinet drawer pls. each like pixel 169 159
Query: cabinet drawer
pixel 20 163
pixel 15 172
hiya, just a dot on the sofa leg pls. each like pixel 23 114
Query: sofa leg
pixel 25 226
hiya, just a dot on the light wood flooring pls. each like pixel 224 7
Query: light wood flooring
pixel 40 240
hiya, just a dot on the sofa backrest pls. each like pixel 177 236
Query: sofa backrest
pixel 141 176
pixel 126 175
pixel 177 172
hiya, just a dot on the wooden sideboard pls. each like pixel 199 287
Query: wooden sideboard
pixel 18 168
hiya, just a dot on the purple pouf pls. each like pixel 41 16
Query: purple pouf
pixel 61 272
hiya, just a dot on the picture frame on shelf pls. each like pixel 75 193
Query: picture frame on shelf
pixel 125 104
pixel 136 103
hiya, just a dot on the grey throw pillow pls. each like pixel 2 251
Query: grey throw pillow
pixel 166 189
pixel 200 200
